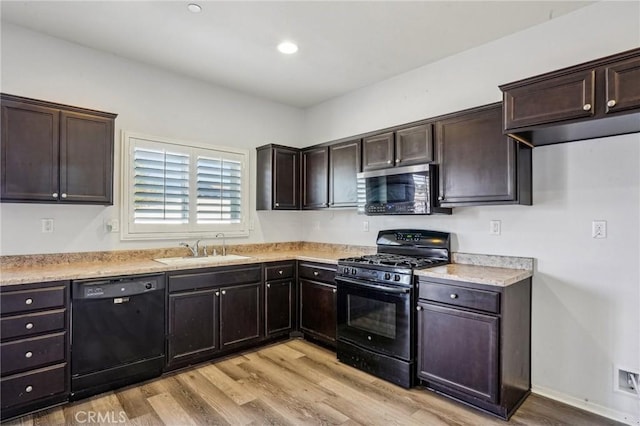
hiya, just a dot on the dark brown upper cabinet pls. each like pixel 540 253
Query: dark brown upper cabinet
pixel 53 153
pixel 315 177
pixel 404 147
pixel 591 100
pixel 344 165
pixel 480 165
pixel 278 178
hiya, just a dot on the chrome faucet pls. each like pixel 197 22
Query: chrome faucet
pixel 195 249
pixel 224 244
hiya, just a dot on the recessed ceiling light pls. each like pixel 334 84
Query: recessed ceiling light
pixel 287 47
pixel 194 8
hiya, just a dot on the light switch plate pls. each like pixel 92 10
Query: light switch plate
pixel 599 229
pixel 495 227
pixel 47 226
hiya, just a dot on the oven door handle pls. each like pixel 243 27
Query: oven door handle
pixel 396 290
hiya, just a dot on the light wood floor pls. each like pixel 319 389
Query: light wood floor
pixel 291 383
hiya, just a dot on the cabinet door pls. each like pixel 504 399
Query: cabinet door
pixel 414 145
pixel 377 152
pixel 30 143
pixel 344 165
pixel 623 86
pixel 318 309
pixel 86 158
pixel 477 162
pixel 550 100
pixel 286 192
pixel 279 305
pixel 315 166
pixel 193 324
pixel 460 350
pixel 240 314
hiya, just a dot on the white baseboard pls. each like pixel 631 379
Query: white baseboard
pixel 627 418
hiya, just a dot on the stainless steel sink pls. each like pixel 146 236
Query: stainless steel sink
pixel 190 260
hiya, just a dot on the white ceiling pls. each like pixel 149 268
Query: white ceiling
pixel 343 45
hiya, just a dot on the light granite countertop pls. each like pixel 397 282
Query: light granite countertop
pixel 475 268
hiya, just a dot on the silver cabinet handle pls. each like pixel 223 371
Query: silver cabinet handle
pixel 277 204
pixel 586 107
pixel 29 326
pixel 28 301
pixel 224 292
pixel 388 161
pixel 440 198
pixel 64 195
pixel 316 273
pixel 268 285
pixel 217 293
pixel 611 103
pixel 28 355
pixel 397 160
pixel 281 272
pixel 334 290
pixel 453 296
pixel 28 388
pixel 418 308
pixel 54 195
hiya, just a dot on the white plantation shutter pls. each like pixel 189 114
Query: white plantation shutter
pixel 219 190
pixel 177 189
pixel 161 186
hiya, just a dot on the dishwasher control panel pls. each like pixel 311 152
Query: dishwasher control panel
pixel 113 288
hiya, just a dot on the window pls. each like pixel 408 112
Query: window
pixel 178 189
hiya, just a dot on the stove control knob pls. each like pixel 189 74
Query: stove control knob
pixel 354 271
pixel 396 277
pixel 346 270
pixel 387 276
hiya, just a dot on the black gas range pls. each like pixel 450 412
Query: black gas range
pixel 376 301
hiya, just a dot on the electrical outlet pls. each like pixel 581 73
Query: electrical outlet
pixel 626 381
pixel 365 226
pixel 599 229
pixel 112 225
pixel 495 227
pixel 47 226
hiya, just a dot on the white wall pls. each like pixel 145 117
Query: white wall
pixel 148 101
pixel 585 291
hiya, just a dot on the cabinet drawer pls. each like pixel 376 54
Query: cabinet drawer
pixel 33 385
pixel 279 272
pixel 31 300
pixel 31 353
pixel 316 272
pixel 216 278
pixel 31 324
pixel 459 296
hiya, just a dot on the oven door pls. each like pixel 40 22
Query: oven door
pixel 375 316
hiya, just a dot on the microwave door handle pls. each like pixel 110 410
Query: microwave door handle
pixel 399 290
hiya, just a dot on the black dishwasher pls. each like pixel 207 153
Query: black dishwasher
pixel 117 332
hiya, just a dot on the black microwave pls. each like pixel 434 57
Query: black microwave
pixel 400 190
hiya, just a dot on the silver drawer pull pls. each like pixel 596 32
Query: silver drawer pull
pixel 611 103
pixel 64 195
pixel 28 388
pixel 334 290
pixel 316 273
pixel 217 293
pixel 54 195
pixel 28 355
pixel 224 292
pixel 28 325
pixel 453 296
pixel 281 272
pixel 418 308
pixel 28 301
pixel 586 107
pixel 268 285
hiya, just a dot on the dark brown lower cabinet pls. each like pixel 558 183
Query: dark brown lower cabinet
pixel 474 342
pixel 240 314
pixel 212 312
pixel 279 306
pixel 34 353
pixel 193 324
pixel 318 310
